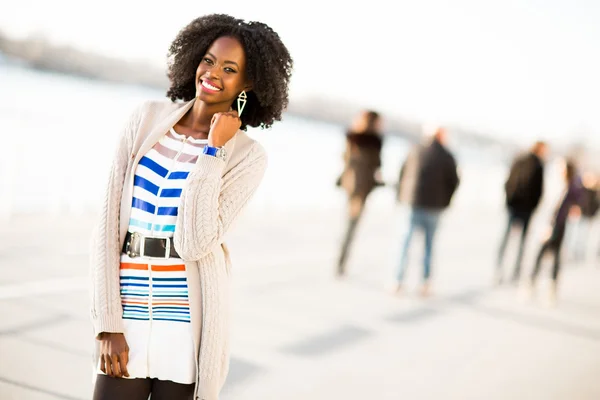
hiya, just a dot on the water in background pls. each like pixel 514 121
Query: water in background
pixel 59 134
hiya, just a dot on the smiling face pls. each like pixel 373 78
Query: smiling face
pixel 221 75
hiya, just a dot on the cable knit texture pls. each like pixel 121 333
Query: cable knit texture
pixel 215 193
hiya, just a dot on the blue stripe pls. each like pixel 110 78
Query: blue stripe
pixel 170 320
pixel 145 184
pixel 174 313
pixel 148 226
pixel 143 205
pixel 170 193
pixel 171 295
pixel 167 314
pixel 139 319
pixel 125 292
pixel 140 224
pixel 169 279
pixel 139 278
pixel 154 166
pixel 165 309
pixel 164 228
pixel 134 284
pixel 171 298
pixel 168 286
pixel 179 175
pixel 167 211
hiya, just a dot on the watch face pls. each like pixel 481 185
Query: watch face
pixel 221 153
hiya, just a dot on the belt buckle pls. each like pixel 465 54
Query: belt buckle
pixel 135 237
pixel 167 248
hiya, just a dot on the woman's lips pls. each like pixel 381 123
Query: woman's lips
pixel 209 87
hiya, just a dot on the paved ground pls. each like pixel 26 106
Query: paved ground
pixel 300 334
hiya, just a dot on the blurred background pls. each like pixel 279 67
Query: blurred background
pixel 497 75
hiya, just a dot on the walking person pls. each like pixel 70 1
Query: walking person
pixel 183 171
pixel 361 174
pixel 524 188
pixel 581 228
pixel 569 205
pixel 427 183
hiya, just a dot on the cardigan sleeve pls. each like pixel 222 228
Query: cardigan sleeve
pixel 106 310
pixel 210 203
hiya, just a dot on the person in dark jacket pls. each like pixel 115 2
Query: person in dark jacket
pixel 427 183
pixel 523 188
pixel 570 205
pixel 362 162
pixel 581 229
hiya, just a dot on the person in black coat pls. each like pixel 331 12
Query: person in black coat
pixel 427 183
pixel 581 229
pixel 523 188
pixel 362 163
pixel 569 206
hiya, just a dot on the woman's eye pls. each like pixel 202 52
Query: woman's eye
pixel 208 61
pixel 230 70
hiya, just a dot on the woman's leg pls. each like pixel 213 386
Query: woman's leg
pixel 403 264
pixel 538 262
pixel 356 207
pixel 168 390
pixel 556 268
pixel 109 388
pixel 503 244
pixel 557 246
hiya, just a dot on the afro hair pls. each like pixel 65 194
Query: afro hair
pixel 268 64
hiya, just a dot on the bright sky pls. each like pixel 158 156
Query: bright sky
pixel 519 68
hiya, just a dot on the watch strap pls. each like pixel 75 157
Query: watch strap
pixel 211 151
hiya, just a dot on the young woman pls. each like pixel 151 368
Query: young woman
pixel 183 171
pixel 569 205
pixel 362 161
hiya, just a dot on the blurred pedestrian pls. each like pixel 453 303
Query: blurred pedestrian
pixel 524 188
pixel 361 174
pixel 581 228
pixel 569 205
pixel 428 180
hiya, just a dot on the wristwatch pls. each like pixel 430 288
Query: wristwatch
pixel 218 152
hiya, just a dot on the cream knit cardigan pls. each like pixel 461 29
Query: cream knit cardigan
pixel 215 193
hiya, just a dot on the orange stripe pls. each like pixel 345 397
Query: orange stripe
pixel 125 265
pixel 168 268
pixel 159 268
pixel 134 302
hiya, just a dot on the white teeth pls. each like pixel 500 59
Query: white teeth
pixel 209 86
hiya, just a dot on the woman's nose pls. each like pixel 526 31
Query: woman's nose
pixel 213 73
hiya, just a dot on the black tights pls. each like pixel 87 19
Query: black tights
pixel 108 388
pixel 357 205
pixel 553 245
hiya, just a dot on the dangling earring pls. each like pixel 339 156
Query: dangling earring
pixel 241 102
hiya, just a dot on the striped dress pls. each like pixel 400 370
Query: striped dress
pixel 154 292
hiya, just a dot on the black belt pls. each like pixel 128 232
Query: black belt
pixel 137 245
